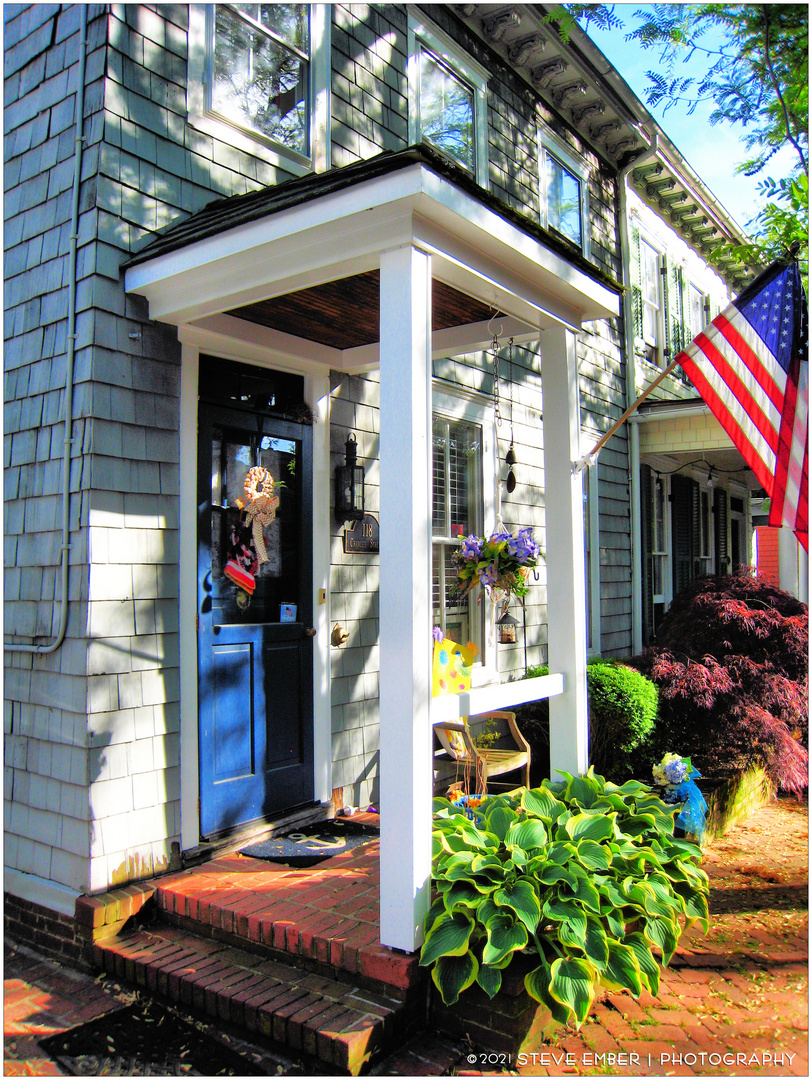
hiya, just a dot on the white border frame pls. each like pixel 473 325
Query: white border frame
pixel 469 71
pixel 550 143
pixel 195 340
pixel 200 117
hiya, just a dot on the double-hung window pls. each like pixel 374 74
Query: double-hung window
pixel 563 178
pixel 258 78
pixel 260 70
pixel 697 313
pixel 447 99
pixel 659 540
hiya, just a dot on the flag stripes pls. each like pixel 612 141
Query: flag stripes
pixel 750 367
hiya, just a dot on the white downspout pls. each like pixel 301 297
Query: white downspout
pixel 45 649
pixel 631 395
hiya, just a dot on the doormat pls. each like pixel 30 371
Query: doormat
pixel 144 1039
pixel 312 844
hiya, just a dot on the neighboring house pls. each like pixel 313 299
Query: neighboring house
pixel 285 228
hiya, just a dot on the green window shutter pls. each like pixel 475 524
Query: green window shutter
pixel 646 557
pixel 722 558
pixel 677 284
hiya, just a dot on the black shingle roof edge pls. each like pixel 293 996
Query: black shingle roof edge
pixel 220 215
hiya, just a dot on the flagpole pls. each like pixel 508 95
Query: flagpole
pixel 587 459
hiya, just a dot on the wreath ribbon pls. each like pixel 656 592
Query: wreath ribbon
pixel 259 513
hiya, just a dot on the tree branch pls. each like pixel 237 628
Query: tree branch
pixel 774 80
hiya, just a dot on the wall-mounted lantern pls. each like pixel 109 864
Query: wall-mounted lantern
pixel 349 502
pixel 506 627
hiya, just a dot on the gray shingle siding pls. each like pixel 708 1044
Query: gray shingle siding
pixel 92 732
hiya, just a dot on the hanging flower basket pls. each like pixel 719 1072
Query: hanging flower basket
pixel 501 563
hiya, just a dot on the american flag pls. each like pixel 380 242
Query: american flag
pixel 751 367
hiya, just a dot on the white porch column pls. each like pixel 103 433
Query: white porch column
pixel 564 517
pixel 405 600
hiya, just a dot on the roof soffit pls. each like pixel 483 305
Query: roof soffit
pixel 581 86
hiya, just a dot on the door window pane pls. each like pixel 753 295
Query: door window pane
pixel 446 110
pixel 255 563
pixel 260 77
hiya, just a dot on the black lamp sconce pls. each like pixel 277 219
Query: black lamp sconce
pixel 349 502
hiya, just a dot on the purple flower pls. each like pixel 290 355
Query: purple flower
pixel 437 633
pixel 471 547
pixel 675 772
pixel 488 575
pixel 499 537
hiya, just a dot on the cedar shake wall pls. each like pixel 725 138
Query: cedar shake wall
pixel 92 784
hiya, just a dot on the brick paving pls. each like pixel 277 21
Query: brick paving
pixel 734 1002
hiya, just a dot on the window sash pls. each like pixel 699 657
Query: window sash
pixel 564 202
pixel 262 83
pixel 447 109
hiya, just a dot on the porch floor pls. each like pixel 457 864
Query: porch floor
pixel 292 954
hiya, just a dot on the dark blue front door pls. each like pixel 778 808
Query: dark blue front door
pixel 255 652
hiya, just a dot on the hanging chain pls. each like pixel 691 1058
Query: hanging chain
pixel 496 409
pixel 510 386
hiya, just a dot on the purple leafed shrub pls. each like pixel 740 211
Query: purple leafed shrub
pixel 731 663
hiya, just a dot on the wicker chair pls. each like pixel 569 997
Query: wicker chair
pixel 485 763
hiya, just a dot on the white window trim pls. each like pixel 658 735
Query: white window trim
pixel 199 116
pixel 593 493
pixel 657 247
pixel 466 68
pixel 550 143
pixel 474 409
pixel 665 552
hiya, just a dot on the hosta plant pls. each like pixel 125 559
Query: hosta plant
pixel 583 876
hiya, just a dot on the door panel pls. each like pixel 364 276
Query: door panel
pixel 255 657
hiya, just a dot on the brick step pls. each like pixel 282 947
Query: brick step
pixel 343 1026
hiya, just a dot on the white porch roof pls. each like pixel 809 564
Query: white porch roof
pixel 427 257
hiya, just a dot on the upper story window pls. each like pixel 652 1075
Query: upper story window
pixel 447 99
pixel 563 178
pixel 698 312
pixel 259 78
pixel 259 72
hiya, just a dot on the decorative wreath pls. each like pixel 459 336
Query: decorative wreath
pixel 262 506
pixel 258 482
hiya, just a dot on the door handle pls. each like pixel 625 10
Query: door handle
pixel 310 631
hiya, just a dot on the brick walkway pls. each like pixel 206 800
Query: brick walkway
pixel 732 1003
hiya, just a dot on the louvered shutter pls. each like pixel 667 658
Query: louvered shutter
pixel 681 532
pixel 646 556
pixel 696 530
pixel 722 558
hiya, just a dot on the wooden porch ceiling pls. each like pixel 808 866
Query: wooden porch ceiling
pixel 345 314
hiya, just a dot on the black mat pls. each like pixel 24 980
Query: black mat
pixel 311 844
pixel 145 1039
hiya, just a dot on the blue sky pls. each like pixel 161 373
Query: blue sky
pixel 712 151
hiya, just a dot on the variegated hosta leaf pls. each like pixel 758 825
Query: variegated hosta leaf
pixel 696 906
pixel 558 909
pixel 490 979
pixel 587 894
pixel 448 936
pixel 504 936
pixel 583 790
pixel 453 974
pixel 591 827
pixel 462 894
pixel 664 933
pixel 649 968
pixel 572 982
pixel 542 802
pixel 593 855
pixel 520 898
pixel 622 970
pixel 561 851
pixel 500 819
pixel 488 865
pixel 553 873
pixel 537 984
pixel 527 835
pixel 595 944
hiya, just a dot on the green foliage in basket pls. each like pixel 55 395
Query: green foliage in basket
pixel 584 875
